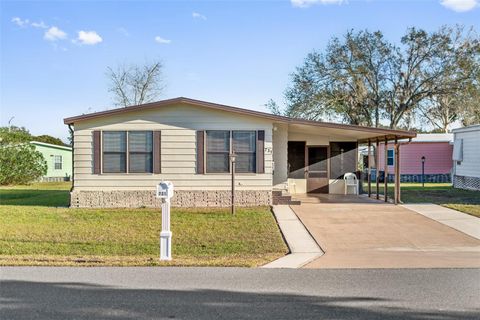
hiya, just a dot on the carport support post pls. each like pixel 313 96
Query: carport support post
pixel 369 169
pixel 385 176
pixel 377 173
pixel 397 171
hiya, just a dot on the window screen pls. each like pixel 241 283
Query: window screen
pixel 244 146
pixel 343 158
pixel 140 150
pixel 114 151
pixel 218 150
pixel 296 159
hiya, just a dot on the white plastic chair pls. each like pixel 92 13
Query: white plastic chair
pixel 350 180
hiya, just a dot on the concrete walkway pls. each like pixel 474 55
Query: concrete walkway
pixel 454 219
pixel 303 248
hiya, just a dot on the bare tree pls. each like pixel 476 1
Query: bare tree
pixel 136 84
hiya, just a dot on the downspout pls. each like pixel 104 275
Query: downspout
pixel 73 151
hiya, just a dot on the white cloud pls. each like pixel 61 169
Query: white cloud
pixel 40 24
pixel 88 38
pixel 460 5
pixel 162 40
pixel 197 15
pixel 19 22
pixel 54 34
pixel 308 3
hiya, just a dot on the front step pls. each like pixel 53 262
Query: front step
pixel 280 197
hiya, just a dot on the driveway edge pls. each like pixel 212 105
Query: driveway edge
pixel 303 248
pixel 457 220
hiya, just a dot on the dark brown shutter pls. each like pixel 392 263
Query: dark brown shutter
pixel 157 152
pixel 200 152
pixel 261 151
pixel 97 152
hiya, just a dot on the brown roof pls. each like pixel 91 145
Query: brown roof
pixel 380 131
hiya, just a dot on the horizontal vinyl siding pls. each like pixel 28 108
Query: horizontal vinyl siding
pixel 178 125
pixel 438 157
pixel 470 166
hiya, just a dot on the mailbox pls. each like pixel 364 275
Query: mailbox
pixel 165 190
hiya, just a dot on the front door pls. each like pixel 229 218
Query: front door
pixel 317 169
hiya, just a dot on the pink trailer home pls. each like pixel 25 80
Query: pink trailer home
pixel 437 150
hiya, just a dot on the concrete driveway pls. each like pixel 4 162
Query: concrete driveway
pixel 357 232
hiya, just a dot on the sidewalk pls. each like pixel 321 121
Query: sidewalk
pixel 303 248
pixel 457 220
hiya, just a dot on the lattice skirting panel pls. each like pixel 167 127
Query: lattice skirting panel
pixel 469 183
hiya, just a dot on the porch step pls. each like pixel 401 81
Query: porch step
pixel 280 197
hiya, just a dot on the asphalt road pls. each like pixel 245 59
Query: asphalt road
pixel 231 293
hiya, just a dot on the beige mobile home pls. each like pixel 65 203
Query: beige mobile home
pixel 121 155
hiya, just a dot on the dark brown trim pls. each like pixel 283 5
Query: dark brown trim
pixel 380 131
pixel 97 152
pixel 157 152
pixel 72 177
pixel 260 151
pixel 200 152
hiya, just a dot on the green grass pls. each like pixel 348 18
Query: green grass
pixel 35 229
pixel 439 193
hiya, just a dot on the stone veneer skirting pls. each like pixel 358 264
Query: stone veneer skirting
pixel 181 198
pixel 464 182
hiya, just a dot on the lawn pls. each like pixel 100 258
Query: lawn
pixel 439 193
pixel 36 228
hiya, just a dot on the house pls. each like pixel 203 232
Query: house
pixel 120 155
pixel 434 148
pixel 59 161
pixel 466 157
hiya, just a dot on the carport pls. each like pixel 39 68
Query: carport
pixel 360 232
pixel 319 154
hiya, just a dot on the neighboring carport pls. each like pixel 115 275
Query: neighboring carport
pixel 374 234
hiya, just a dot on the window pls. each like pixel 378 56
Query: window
pixel 390 154
pixel 115 152
pixel 57 162
pixel 244 146
pixel 218 150
pixel 140 151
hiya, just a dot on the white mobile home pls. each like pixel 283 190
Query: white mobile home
pixel 121 155
pixel 466 157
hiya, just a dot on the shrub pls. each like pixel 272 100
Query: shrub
pixel 20 163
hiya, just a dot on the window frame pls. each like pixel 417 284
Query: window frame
pixel 55 157
pixel 255 132
pixel 127 153
pixel 206 152
pixel 390 158
pixel 139 152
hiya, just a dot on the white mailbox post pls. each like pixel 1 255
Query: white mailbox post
pixel 165 192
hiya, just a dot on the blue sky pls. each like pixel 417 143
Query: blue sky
pixel 54 55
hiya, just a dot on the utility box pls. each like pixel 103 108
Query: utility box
pixel 165 192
